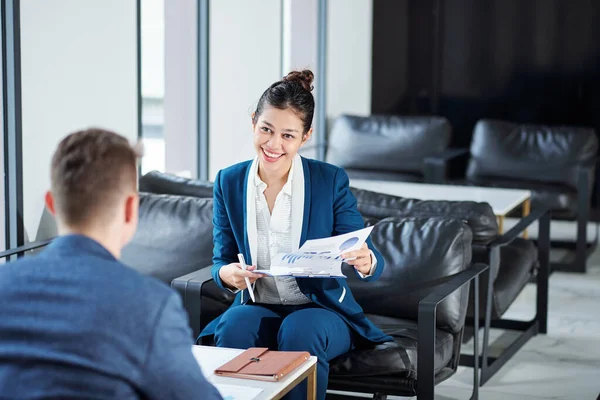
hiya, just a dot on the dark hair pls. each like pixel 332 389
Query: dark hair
pixel 90 171
pixel 293 91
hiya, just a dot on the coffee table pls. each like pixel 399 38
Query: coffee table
pixel 210 358
pixel 502 201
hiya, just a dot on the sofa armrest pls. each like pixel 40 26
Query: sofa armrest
pixel 585 186
pixel 427 328
pixel 436 166
pixel 541 214
pixel 585 175
pixel 189 287
pixel 19 251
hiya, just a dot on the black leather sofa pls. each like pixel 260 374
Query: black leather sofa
pixel 390 147
pixel 513 263
pixel 557 163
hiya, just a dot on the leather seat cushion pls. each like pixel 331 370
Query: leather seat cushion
pixel 518 261
pixel 382 175
pixel 557 197
pixel 161 183
pixel 398 358
pixel 405 387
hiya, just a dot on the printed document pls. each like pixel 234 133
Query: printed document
pixel 318 258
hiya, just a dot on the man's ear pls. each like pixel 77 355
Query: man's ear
pixel 131 208
pixel 49 200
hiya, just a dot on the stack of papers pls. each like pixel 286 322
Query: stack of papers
pixel 318 258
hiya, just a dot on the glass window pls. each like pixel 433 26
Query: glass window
pixel 153 84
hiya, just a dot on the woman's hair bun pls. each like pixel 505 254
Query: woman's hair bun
pixel 304 77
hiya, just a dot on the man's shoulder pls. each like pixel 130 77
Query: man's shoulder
pixel 153 288
pixel 117 277
pixel 122 286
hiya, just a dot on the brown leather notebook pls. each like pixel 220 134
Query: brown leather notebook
pixel 263 364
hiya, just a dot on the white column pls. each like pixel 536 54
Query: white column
pixel 79 69
pixel 244 59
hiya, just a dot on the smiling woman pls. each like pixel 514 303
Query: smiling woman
pixel 287 200
pixel 282 124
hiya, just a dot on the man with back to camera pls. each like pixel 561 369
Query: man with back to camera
pixel 74 321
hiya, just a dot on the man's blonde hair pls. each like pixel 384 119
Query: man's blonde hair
pixel 91 170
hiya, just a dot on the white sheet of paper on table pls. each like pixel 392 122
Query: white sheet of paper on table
pixel 234 392
pixel 209 364
pixel 216 359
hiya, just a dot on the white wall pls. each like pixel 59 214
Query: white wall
pixel 349 53
pixel 79 68
pixel 245 58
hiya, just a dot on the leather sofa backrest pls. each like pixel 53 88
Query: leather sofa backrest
pixel 387 143
pixel 530 152
pixel 479 216
pixel 419 254
pixel 174 236
pixel 161 183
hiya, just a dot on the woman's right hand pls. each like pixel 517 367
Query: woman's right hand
pixel 233 275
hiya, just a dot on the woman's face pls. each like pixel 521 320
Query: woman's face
pixel 278 134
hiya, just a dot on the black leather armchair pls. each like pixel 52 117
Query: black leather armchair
pixel 389 147
pixel 513 263
pixel 420 299
pixel 556 163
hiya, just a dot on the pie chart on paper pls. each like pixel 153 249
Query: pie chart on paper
pixel 348 243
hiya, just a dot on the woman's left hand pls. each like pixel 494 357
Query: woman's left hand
pixel 359 259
